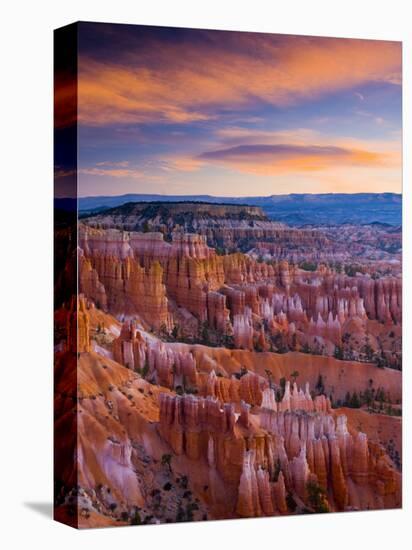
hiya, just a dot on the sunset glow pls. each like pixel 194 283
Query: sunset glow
pixel 171 110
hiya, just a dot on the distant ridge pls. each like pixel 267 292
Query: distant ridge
pixel 293 209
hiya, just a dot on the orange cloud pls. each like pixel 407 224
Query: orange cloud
pixel 185 84
pixel 281 158
pixel 183 164
pixel 65 100
pixel 60 172
pixel 112 172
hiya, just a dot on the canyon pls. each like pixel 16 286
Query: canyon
pixel 228 366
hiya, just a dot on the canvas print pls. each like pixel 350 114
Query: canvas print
pixel 228 275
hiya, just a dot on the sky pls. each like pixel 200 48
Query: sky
pixel 183 111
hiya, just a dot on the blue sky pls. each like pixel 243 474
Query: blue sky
pixel 183 111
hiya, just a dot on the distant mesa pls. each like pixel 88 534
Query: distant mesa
pixel 294 209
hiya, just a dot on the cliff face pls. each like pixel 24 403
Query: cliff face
pixel 258 448
pixel 225 226
pixel 77 326
pixel 131 275
pixel 166 365
pixel 118 449
pixel 258 452
pixel 280 447
pixel 270 452
pixel 185 284
pixel 218 371
pixel 111 276
pixel 221 371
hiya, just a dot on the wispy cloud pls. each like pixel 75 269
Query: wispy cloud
pixel 61 172
pixel 377 119
pixel 111 164
pixel 178 84
pixel 112 171
pixel 183 164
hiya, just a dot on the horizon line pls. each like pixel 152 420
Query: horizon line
pixel 233 196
